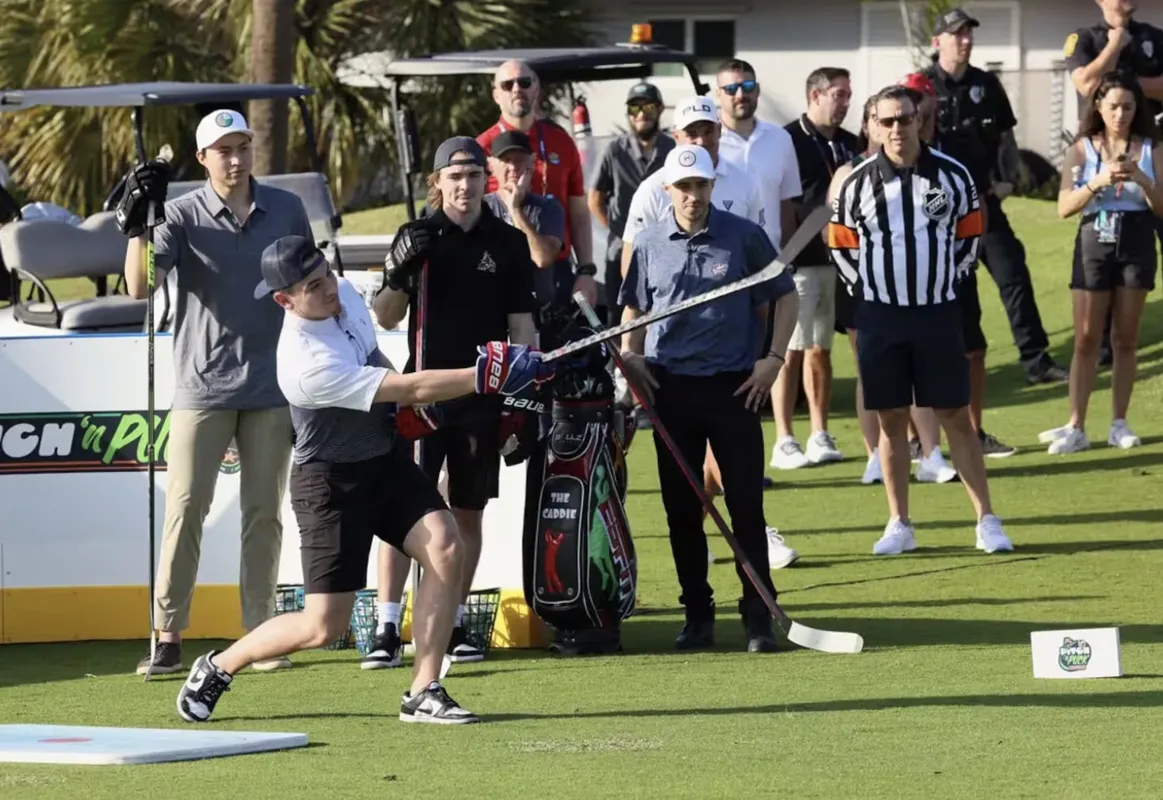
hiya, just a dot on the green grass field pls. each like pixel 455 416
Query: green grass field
pixel 941 704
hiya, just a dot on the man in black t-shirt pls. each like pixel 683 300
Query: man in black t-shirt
pixel 459 273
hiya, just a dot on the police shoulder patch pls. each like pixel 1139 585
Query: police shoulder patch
pixel 1071 43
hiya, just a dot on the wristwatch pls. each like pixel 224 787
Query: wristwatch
pixel 585 269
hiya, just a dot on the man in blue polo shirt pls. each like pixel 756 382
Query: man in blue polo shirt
pixel 707 372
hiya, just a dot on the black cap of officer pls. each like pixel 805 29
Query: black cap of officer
pixel 953 21
pixel 644 93
pixel 459 144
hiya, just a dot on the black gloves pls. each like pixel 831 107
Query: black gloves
pixel 146 183
pixel 408 253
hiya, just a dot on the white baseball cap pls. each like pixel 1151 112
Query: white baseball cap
pixel 695 109
pixel 220 123
pixel 687 161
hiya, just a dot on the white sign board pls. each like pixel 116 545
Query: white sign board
pixel 1080 653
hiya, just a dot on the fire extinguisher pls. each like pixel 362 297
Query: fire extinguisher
pixel 581 119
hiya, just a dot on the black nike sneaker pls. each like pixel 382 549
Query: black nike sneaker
pixel 435 707
pixel 385 650
pixel 461 650
pixel 202 688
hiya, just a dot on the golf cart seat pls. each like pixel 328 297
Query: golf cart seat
pixel 311 187
pixel 46 250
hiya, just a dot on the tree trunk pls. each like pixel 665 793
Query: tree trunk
pixel 272 55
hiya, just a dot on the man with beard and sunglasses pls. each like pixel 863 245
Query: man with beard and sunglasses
pixel 628 160
pixel 976 124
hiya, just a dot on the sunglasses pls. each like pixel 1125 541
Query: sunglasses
pixel 524 82
pixel 904 119
pixel 747 86
pixel 633 109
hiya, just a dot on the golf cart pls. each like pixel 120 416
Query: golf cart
pixel 38 251
pixel 570 67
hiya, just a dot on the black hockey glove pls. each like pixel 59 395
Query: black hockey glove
pixel 146 183
pixel 407 255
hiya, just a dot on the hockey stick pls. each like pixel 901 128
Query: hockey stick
pixel 804 235
pixel 811 638
pixel 151 222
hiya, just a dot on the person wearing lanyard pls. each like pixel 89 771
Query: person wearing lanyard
pixel 821 145
pixel 557 175
pixel 707 374
pixel 1113 176
pixel 628 160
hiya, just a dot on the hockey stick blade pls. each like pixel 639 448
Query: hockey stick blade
pixel 810 229
pixel 811 638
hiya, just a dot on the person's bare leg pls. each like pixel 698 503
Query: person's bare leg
pixel 869 423
pixel 926 427
pixel 965 448
pixel 783 394
pixel 469 524
pixel 976 387
pixel 894 460
pixel 1128 312
pixel 391 575
pixel 436 544
pixel 1090 309
pixel 818 386
pixel 323 619
pixel 712 478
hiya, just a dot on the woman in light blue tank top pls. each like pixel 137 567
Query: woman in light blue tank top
pixel 1113 178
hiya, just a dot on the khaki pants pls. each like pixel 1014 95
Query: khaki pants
pixel 198 442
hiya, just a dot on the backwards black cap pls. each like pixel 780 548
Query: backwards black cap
pixel 287 261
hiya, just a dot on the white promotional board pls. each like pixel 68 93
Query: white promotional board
pixel 1078 653
pixel 73 484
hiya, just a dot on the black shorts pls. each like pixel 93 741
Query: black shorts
pixel 970 302
pixel 912 354
pixel 1131 262
pixel 845 307
pixel 471 454
pixel 341 508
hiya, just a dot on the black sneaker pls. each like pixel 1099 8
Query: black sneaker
pixel 698 633
pixel 385 651
pixel 167 659
pixel 760 636
pixel 461 650
pixel 992 447
pixel 434 706
pixel 1048 372
pixel 202 688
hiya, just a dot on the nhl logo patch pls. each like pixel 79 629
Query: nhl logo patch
pixel 686 158
pixel 936 203
pixel 224 120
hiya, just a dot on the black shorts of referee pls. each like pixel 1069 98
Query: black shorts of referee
pixel 342 507
pixel 1130 262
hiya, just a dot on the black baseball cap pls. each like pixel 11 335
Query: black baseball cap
pixel 511 140
pixel 644 93
pixel 459 144
pixel 953 21
pixel 287 261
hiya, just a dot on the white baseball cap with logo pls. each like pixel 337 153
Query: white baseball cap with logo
pixel 217 124
pixel 695 109
pixel 687 161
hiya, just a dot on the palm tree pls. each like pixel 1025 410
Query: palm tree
pixel 272 56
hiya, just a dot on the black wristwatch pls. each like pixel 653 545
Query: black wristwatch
pixel 585 269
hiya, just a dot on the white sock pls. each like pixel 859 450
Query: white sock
pixel 459 615
pixel 388 612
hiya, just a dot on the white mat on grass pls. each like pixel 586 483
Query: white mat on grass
pixel 73 744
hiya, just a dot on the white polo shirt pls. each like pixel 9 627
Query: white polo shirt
pixel 734 191
pixel 769 155
pixel 329 370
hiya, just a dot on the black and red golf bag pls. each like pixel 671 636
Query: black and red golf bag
pixel 581 572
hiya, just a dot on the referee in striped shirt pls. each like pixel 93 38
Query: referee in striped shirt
pixel 905 229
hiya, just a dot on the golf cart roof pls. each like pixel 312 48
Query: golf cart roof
pixel 552 65
pixel 158 93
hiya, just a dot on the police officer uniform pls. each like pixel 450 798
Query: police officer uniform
pixel 973 114
pixel 699 361
pixel 1143 57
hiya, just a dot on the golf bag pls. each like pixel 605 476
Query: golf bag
pixel 581 571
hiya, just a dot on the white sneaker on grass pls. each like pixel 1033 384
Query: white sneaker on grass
pixel 990 536
pixel 872 471
pixel 779 555
pixel 1072 441
pixel 787 454
pixel 1122 436
pixel 898 538
pixel 934 469
pixel 822 448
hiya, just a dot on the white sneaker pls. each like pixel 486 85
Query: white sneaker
pixel 779 555
pixel 1122 436
pixel 786 454
pixel 898 538
pixel 872 471
pixel 1054 434
pixel 1074 441
pixel 822 448
pixel 990 536
pixel 933 468
pixel 710 555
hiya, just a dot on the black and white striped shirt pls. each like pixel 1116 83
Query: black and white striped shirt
pixel 905 236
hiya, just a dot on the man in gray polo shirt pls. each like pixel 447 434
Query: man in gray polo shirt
pixel 628 161
pixel 225 385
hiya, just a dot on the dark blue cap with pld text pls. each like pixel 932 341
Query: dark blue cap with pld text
pixel 287 261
